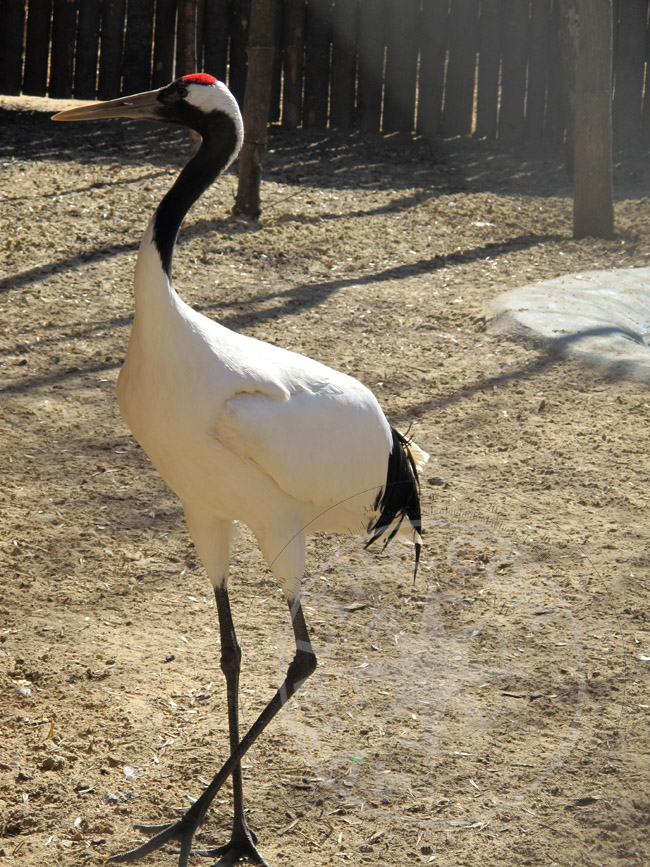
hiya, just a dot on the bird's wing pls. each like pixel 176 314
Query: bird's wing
pixel 328 440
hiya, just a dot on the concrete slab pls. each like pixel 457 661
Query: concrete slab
pixel 599 317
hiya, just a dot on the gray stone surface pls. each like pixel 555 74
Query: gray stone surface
pixel 599 317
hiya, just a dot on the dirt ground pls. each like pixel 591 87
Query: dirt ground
pixel 493 712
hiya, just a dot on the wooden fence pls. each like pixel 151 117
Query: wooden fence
pixel 491 68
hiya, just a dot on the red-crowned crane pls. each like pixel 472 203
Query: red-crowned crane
pixel 245 431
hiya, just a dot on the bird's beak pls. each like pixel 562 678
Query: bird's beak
pixel 142 106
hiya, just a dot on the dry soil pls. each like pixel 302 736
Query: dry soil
pixel 493 712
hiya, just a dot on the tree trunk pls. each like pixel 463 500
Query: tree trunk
pixel 593 209
pixel 257 100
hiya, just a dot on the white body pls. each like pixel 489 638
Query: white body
pixel 243 430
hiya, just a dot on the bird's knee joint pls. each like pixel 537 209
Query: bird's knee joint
pixel 303 664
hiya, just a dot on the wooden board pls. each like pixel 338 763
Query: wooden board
pixel 433 56
pixel 514 55
pixel 137 46
pixel 556 119
pixel 344 61
pixel 318 35
pixel 215 38
pixel 37 47
pixel 110 56
pixel 629 71
pixel 489 68
pixel 293 60
pixel 64 23
pixel 372 41
pixel 12 15
pixel 164 42
pixel 457 117
pixel 239 23
pixel 402 45
pixel 538 63
pixel 86 57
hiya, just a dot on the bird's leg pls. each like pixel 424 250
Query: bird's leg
pixel 242 841
pixel 302 665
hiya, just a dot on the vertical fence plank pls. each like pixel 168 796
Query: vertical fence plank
pixel 318 35
pixel 344 61
pixel 215 38
pixel 85 64
pixel 12 15
pixel 538 62
pixel 433 55
pixel 164 41
pixel 461 68
pixel 401 66
pixel 137 46
pixel 110 57
pixel 630 41
pixel 37 47
pixel 489 65
pixel 276 69
pixel 556 120
pixel 372 35
pixel 506 62
pixel 239 24
pixel 187 24
pixel 295 16
pixel 514 56
pixel 64 22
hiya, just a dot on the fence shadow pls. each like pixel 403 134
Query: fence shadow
pixel 327 159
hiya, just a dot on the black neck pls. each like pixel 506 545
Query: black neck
pixel 217 147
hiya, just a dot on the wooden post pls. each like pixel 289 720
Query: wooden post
pixel 257 99
pixel 593 210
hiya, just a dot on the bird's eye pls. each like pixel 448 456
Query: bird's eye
pixel 182 92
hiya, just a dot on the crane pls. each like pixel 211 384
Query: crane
pixel 243 430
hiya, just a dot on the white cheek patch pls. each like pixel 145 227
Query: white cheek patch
pixel 216 97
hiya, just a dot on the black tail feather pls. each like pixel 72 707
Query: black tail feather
pixel 400 496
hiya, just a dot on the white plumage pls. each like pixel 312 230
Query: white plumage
pixel 245 431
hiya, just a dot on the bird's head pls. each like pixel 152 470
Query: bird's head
pixel 197 100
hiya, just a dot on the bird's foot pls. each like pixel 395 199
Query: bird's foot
pixel 241 846
pixel 181 832
pixel 233 853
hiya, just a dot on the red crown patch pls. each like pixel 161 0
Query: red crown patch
pixel 199 78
